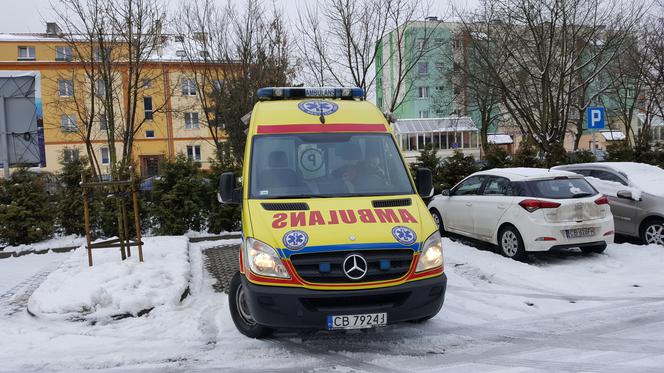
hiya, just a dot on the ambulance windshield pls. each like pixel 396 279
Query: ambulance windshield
pixel 326 165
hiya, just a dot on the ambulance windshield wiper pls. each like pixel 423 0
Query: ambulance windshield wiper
pixel 297 196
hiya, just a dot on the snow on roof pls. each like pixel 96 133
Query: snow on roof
pixel 613 135
pixel 28 37
pixel 499 139
pixel 523 173
pixel 428 125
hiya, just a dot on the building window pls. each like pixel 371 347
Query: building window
pixel 217 85
pixel 456 44
pixel 440 66
pixel 423 92
pixel 149 134
pixel 194 152
pixel 103 122
pixel 188 87
pixel 147 108
pixel 100 87
pixel 457 90
pixel 423 68
pixel 146 83
pixel 101 54
pixel 191 120
pixel 421 43
pixel 424 113
pixel 66 87
pixel 457 67
pixel 70 155
pixel 68 123
pixel 26 53
pixel 63 54
pixel 105 156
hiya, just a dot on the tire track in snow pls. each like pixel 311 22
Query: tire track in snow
pixel 16 299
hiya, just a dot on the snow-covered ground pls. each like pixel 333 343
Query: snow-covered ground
pixel 561 312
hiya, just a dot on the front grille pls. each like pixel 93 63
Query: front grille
pixel 328 267
pixel 369 303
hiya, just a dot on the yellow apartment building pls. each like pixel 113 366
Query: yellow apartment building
pixel 174 119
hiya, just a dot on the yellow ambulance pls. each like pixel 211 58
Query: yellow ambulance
pixel 335 232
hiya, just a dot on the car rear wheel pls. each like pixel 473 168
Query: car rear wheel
pixel 652 232
pixel 510 243
pixel 438 220
pixel 240 312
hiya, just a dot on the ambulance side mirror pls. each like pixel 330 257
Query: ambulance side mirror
pixel 424 182
pixel 228 192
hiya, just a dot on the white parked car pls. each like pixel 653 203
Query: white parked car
pixel 526 209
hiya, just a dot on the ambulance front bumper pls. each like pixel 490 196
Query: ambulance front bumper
pixel 284 307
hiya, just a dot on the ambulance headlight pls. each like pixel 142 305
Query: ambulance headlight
pixel 263 260
pixel 432 253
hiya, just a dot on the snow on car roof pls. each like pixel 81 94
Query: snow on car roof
pixel 526 173
pixel 648 178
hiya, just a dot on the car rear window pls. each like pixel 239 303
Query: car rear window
pixel 561 188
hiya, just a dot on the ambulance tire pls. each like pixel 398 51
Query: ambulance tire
pixel 240 312
pixel 510 243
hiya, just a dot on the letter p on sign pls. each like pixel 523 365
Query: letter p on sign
pixel 596 118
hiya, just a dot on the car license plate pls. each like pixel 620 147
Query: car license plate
pixel 368 320
pixel 580 232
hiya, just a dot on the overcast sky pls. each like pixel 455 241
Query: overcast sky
pixel 30 15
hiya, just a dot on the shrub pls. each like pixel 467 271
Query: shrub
pixel 557 155
pixel 496 157
pixel 26 209
pixel 455 168
pixel 70 196
pixel 526 155
pixel 180 198
pixel 584 156
pixel 429 158
pixel 620 151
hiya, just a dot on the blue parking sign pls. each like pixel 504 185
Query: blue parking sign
pixel 596 117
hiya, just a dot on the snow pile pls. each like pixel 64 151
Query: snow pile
pixel 112 287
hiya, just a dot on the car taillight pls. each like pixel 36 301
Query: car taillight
pixel 532 205
pixel 603 200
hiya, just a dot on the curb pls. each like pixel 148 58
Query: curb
pixel 16 254
pixel 66 249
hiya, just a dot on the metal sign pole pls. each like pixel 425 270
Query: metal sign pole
pixel 4 146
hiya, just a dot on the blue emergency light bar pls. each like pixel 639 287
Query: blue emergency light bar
pixel 280 93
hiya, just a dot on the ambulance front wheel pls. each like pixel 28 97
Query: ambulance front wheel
pixel 240 312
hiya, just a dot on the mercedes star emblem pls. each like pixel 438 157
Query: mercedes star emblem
pixel 355 266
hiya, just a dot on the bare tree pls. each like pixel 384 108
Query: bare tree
pixel 231 53
pixel 113 48
pixel 338 43
pixel 541 54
